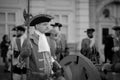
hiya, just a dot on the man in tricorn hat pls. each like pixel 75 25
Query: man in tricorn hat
pixel 88 47
pixel 61 42
pixel 20 50
pixel 52 37
pixel 40 59
pixel 116 47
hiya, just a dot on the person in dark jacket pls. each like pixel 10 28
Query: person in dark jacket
pixel 4 49
pixel 108 48
pixel 115 66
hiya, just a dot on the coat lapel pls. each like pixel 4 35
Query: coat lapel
pixel 35 38
pixel 24 43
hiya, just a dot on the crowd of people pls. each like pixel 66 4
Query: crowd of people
pixel 111 51
pixel 39 52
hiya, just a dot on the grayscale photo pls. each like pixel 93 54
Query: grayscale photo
pixel 59 39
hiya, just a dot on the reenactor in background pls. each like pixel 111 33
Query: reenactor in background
pixel 9 55
pixel 20 49
pixel 51 37
pixel 115 66
pixel 61 42
pixel 116 48
pixel 88 47
pixel 57 70
pixel 4 46
pixel 108 52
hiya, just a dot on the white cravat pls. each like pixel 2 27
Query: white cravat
pixel 42 43
pixel 23 37
pixel 92 42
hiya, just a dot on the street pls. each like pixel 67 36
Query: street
pixel 4 75
pixel 7 75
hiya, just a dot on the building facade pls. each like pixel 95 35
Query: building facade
pixel 104 14
pixel 75 15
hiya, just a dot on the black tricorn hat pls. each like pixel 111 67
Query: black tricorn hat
pixel 39 19
pixel 90 30
pixel 20 27
pixel 116 28
pixel 56 25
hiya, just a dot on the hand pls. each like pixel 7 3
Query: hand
pixel 106 66
pixel 21 64
pixel 115 49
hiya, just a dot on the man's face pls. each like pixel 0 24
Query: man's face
pixel 54 35
pixel 20 33
pixel 117 33
pixel 43 27
pixel 56 28
pixel 90 34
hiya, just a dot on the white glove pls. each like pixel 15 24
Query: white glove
pixel 52 59
pixel 115 49
pixel 106 66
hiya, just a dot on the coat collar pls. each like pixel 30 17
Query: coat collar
pixel 35 38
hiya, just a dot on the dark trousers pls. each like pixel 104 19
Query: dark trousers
pixel 108 55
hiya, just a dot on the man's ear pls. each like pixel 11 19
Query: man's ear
pixel 36 26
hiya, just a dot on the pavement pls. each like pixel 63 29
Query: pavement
pixel 7 75
pixel 4 75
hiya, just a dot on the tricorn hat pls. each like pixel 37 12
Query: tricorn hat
pixel 40 19
pixel 56 25
pixel 116 28
pixel 90 30
pixel 20 27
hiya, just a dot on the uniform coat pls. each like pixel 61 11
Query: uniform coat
pixel 90 52
pixel 52 44
pixel 116 55
pixel 25 51
pixel 61 47
pixel 39 62
pixel 108 48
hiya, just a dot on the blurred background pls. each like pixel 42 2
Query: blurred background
pixel 75 16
